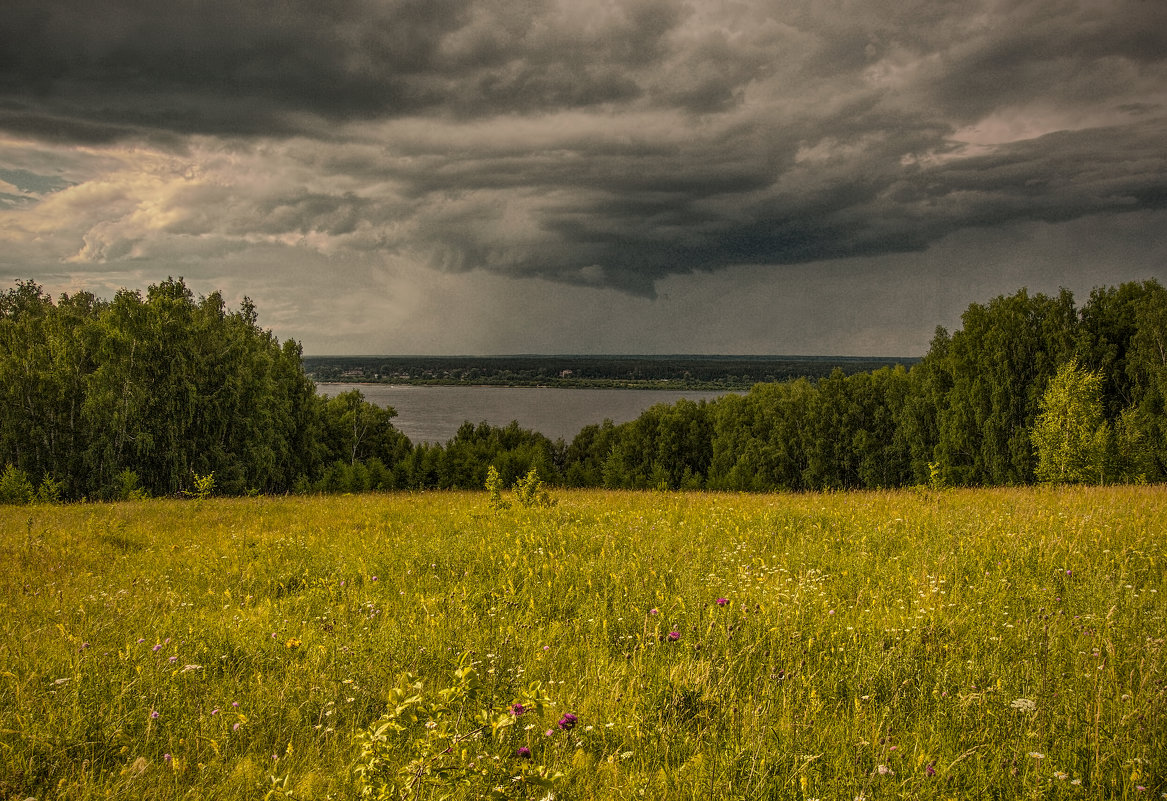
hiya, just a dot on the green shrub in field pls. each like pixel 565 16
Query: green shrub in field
pixel 494 489
pixel 15 486
pixel 203 486
pixel 49 490
pixel 528 491
pixel 455 738
pixel 127 487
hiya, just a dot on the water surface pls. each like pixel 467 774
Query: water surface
pixel 434 413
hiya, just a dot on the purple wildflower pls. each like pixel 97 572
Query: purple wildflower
pixel 568 721
pixel 523 752
pixel 722 601
pixel 654 611
pixel 157 647
pixel 931 771
pixel 674 635
pixel 154 714
pixel 517 709
pixel 236 727
pixel 166 757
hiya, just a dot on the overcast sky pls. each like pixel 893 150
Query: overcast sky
pixel 574 176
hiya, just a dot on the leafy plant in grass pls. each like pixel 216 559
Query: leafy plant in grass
pixel 14 486
pixel 529 492
pixel 455 738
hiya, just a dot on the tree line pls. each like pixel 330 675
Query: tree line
pixel 162 394
pixel 673 372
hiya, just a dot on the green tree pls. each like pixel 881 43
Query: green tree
pixel 1071 435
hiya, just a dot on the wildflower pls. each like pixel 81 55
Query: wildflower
pixel 166 757
pixel 674 635
pixel 884 770
pixel 523 752
pixel 568 721
pixel 236 727
pixel 84 645
pixel 1061 775
pixel 549 732
pixel 1024 704
pixel 293 643
pixel 517 709
pixel 235 704
pixel 215 711
pixel 928 769
pixel 157 647
pixel 654 611
pixel 141 640
pixel 1036 755
pixel 374 578
pixel 154 714
pixel 173 659
pixel 722 601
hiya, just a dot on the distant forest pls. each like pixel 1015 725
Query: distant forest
pixel 164 394
pixel 657 372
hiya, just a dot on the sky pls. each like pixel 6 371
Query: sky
pixel 586 176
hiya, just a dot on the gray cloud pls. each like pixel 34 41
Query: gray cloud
pixel 587 143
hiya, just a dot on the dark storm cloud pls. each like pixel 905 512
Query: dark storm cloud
pixel 261 67
pixel 592 142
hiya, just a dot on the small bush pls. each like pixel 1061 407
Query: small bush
pixel 49 490
pixel 203 486
pixel 15 488
pixel 494 489
pixel 127 487
pixel 529 491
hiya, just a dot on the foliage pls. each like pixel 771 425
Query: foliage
pixel 1071 437
pixel 165 386
pixel 457 737
pixel 494 489
pixel 529 491
pixel 15 487
pixel 203 486
pixel 49 490
pixel 127 487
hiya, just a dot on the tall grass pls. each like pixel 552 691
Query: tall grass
pixel 990 643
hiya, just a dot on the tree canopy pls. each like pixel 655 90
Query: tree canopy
pixel 149 393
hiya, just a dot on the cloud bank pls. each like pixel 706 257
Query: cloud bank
pixel 594 143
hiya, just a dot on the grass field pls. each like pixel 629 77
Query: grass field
pixel 962 644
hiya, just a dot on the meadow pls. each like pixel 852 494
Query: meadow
pixel 1003 643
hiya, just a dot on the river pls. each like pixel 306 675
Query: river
pixel 434 413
